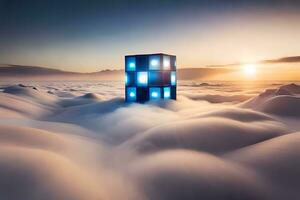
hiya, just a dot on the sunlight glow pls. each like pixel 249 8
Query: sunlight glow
pixel 249 69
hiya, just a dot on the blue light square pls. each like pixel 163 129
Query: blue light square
pixel 166 63
pixel 173 63
pixel 167 92
pixel 154 93
pixel 130 78
pixel 173 78
pixel 130 64
pixel 131 94
pixel 154 62
pixel 126 79
pixel 142 79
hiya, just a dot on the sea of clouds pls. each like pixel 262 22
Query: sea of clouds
pixel 218 140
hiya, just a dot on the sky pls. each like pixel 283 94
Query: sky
pixel 90 35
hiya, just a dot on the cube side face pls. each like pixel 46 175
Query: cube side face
pixel 150 77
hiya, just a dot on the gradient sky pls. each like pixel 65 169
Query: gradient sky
pixel 92 35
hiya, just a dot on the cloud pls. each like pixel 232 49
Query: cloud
pixel 291 59
pixel 283 101
pixel 96 147
pixel 216 98
pixel 210 134
pixel 277 159
pixel 182 174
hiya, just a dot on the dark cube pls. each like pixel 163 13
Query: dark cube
pixel 150 77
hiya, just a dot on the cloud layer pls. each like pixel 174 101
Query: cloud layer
pixel 60 141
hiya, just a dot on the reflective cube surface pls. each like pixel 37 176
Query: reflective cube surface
pixel 150 77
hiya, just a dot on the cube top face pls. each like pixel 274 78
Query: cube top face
pixel 150 77
pixel 153 62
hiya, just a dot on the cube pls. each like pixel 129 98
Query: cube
pixel 150 77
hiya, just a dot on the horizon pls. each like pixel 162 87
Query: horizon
pixel 286 59
pixel 260 70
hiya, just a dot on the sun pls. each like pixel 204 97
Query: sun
pixel 249 70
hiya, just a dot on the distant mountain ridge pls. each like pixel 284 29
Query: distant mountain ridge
pixel 42 73
pixel 37 72
pixel 30 70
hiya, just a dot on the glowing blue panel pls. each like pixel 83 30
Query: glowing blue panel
pixel 130 79
pixel 167 92
pixel 173 62
pixel 142 78
pixel 126 78
pixel 166 63
pixel 173 78
pixel 154 93
pixel 130 64
pixel 131 94
pixel 154 62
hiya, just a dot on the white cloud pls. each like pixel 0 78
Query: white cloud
pixel 98 147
